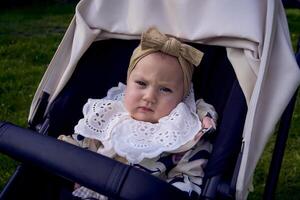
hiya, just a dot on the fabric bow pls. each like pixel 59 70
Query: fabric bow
pixel 152 38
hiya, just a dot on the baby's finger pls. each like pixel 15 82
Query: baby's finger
pixel 199 135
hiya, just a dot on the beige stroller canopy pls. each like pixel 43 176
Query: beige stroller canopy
pixel 255 35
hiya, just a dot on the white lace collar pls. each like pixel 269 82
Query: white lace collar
pixel 108 121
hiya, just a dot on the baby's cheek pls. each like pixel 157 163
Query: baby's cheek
pixel 127 103
pixel 171 104
pixel 166 109
pixel 130 104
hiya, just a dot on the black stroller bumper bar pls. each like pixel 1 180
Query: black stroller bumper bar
pixel 87 168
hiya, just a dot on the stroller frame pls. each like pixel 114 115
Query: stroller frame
pixel 217 183
pixel 215 187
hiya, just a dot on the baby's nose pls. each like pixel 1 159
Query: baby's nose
pixel 150 95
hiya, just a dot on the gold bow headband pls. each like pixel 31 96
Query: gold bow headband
pixel 152 41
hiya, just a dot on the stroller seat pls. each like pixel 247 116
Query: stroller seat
pixel 214 80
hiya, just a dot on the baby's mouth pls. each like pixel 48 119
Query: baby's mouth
pixel 145 109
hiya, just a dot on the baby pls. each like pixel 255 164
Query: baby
pixel 153 122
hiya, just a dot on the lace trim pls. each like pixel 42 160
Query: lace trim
pixel 108 121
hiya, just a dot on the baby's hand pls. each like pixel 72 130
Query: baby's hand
pixel 76 186
pixel 207 124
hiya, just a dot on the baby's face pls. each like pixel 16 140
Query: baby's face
pixel 154 87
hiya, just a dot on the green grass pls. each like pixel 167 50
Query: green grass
pixel 28 40
pixel 293 16
pixel 289 178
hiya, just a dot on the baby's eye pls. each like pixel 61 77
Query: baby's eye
pixel 165 89
pixel 140 83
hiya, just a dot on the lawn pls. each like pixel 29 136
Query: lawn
pixel 28 40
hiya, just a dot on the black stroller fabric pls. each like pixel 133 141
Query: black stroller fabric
pixel 105 64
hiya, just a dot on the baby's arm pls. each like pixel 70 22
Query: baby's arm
pixel 78 140
pixel 207 115
pixel 206 111
pixel 187 175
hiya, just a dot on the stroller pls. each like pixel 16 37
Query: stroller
pixel 238 75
